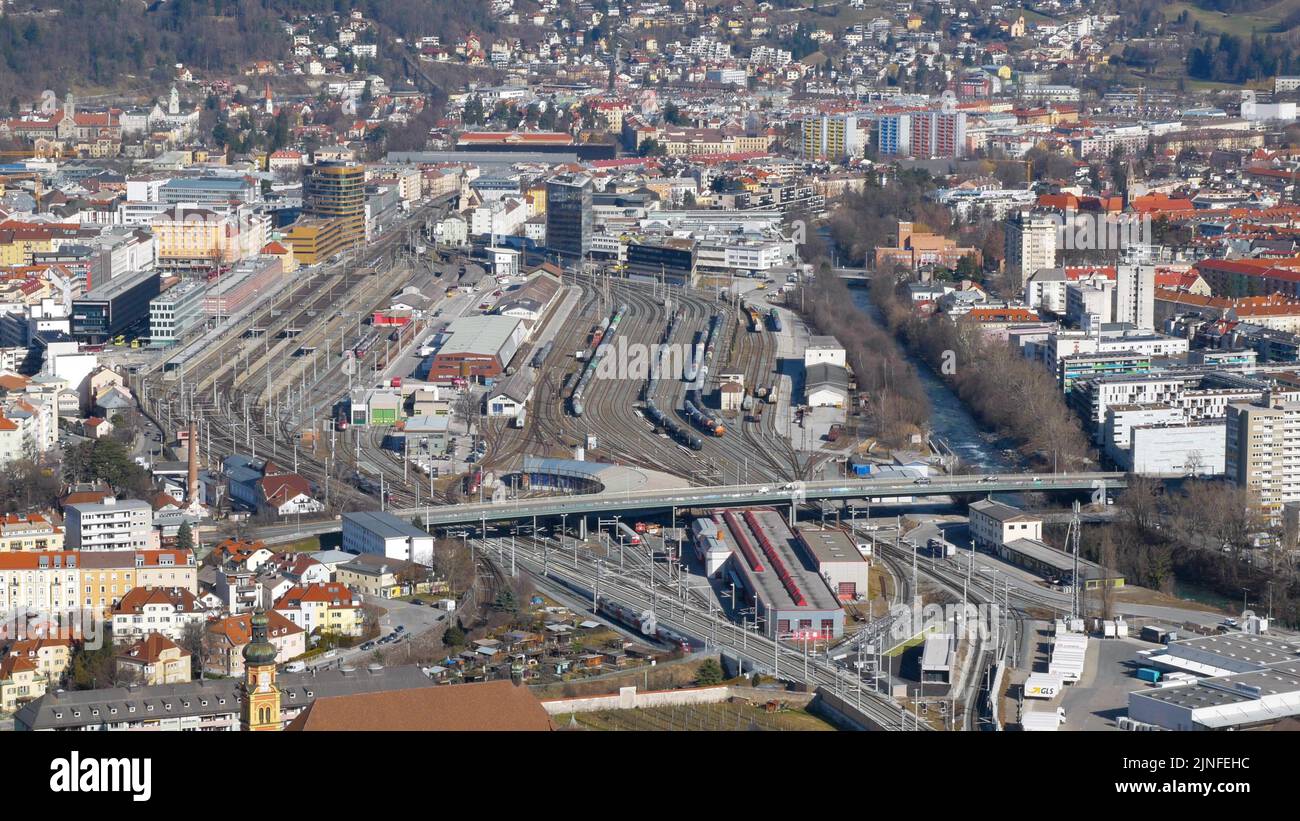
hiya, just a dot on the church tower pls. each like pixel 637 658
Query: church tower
pixel 261 708
pixel 174 102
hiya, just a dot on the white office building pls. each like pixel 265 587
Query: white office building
pixel 380 533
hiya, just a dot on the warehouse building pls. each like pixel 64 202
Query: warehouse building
pixel 824 349
pixel 511 398
pixel 428 433
pixel 380 406
pixel 381 533
pixel 530 301
pixel 1057 566
pixel 1251 681
pixel 836 559
pixel 789 597
pixel 826 385
pixel 477 347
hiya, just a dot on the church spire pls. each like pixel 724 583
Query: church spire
pixel 261 707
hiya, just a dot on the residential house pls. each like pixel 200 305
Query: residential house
pixel 327 608
pixel 229 635
pixel 167 611
pixel 153 660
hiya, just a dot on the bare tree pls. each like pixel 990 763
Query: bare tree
pixel 198 642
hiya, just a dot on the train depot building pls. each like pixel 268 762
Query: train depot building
pixel 774 572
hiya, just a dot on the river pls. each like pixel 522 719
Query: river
pixel 949 418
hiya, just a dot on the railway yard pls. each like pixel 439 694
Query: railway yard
pixel 270 384
pixel 615 410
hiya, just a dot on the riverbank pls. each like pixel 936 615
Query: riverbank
pixel 1008 395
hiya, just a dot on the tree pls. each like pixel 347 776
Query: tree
pixel 652 148
pixel 709 673
pixel 197 641
pixel 455 635
pixel 185 537
pixel 506 601
pixel 473 113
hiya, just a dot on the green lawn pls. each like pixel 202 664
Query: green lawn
pixel 1262 20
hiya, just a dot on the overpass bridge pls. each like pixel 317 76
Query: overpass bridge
pixel 793 493
pixel 853 276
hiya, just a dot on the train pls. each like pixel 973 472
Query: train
pixel 755 323
pixel 709 424
pixel 774 320
pixel 542 353
pixel 638 621
pixel 629 535
pixel 679 435
pixel 601 348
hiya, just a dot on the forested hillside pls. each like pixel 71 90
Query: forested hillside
pixel 110 45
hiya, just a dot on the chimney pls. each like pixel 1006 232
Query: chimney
pixel 192 487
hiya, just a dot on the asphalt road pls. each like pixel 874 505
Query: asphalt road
pixel 414 618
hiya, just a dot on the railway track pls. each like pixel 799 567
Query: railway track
pixel 237 410
pixel 588 575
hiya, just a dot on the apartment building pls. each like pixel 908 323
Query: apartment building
pixel 106 577
pixel 834 137
pixel 163 610
pixel 117 524
pixel 327 608
pixel 1263 450
pixel 1030 244
pixel 29 532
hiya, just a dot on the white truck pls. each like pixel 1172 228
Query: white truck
pixel 1039 722
pixel 1043 685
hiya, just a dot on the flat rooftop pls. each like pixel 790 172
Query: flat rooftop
pixel 481 335
pixel 117 286
pixel 1222 691
pixel 817 595
pixel 1058 560
pixel 829 545
pixel 383 524
pixel 1246 648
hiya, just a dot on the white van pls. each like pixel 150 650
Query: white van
pixel 295 667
